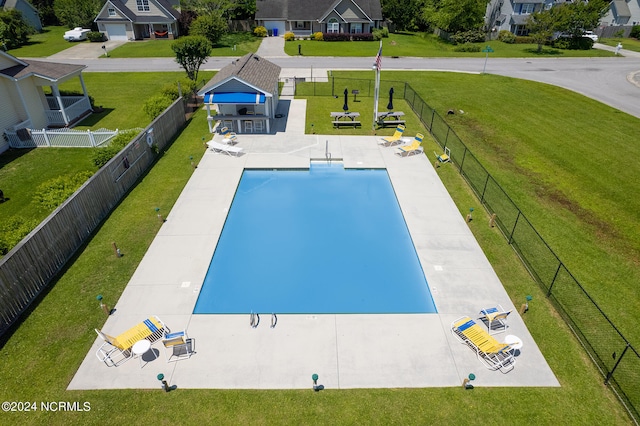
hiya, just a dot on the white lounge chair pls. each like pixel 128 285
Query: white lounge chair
pixel 224 149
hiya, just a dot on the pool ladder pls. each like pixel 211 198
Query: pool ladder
pixel 327 154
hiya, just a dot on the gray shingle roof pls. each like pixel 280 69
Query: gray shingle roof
pixel 251 69
pixel 310 10
pixel 50 70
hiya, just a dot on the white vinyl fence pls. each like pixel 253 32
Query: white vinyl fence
pixel 59 138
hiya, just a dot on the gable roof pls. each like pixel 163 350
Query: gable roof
pixel 306 10
pixel 251 69
pixel 49 70
pixel 131 15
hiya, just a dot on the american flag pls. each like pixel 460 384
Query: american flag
pixel 379 58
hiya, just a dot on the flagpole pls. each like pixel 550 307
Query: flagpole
pixel 376 90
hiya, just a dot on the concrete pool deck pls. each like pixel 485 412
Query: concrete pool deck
pixel 346 351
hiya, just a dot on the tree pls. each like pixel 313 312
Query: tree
pixel 211 26
pixel 14 30
pixel 541 26
pixel 405 14
pixel 77 13
pixel 574 18
pixel 191 52
pixel 455 16
pixel 46 12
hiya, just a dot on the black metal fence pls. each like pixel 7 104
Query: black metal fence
pixel 31 265
pixel 618 361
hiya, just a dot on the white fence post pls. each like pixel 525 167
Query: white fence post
pixel 92 140
pixel 46 137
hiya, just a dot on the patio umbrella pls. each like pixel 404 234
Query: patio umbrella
pixel 390 104
pixel 345 107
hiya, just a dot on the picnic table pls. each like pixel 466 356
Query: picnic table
pixel 390 118
pixel 345 119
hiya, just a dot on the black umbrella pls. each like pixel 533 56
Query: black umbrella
pixel 345 107
pixel 390 104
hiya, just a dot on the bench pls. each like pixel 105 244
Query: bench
pixel 346 123
pixel 385 123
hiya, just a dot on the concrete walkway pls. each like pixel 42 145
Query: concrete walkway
pixel 346 351
pixel 272 47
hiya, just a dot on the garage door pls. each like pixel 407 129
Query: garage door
pixel 271 25
pixel 116 32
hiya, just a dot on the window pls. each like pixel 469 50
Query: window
pixel 356 28
pixel 520 30
pixel 299 24
pixel 527 8
pixel 111 11
pixel 333 26
pixel 143 5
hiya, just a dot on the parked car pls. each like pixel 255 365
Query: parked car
pixel 590 34
pixel 76 34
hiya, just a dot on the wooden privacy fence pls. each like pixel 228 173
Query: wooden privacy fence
pixel 29 267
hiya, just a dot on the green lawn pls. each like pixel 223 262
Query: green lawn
pixel 46 43
pixel 627 43
pixel 243 42
pixel 427 45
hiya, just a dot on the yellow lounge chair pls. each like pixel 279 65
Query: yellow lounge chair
pixel 412 148
pixel 495 318
pixel 151 329
pixel 494 355
pixel 395 139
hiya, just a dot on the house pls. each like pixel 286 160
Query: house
pixel 512 15
pixel 622 12
pixel 305 17
pixel 29 13
pixel 26 105
pixel 246 95
pixel 124 20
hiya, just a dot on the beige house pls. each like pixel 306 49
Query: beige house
pixel 124 20
pixel 25 104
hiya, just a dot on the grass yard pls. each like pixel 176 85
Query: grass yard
pixel 243 42
pixel 61 325
pixel 428 45
pixel 550 151
pixel 46 43
pixel 627 43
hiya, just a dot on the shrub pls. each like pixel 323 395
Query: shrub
pixel 289 36
pixel 260 31
pixel 577 43
pixel 506 36
pixel 155 105
pixel 95 36
pixel 467 47
pixel 380 33
pixel 318 36
pixel 524 40
pixel 13 230
pixel 210 26
pixel 362 37
pixel 170 91
pixel 635 31
pixel 473 36
pixel 52 193
pixel 336 36
pixel 104 154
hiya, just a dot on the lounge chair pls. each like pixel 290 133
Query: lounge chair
pixel 412 148
pixel 230 138
pixel 224 130
pixel 444 157
pixel 395 139
pixel 225 149
pixel 493 354
pixel 115 350
pixel 495 318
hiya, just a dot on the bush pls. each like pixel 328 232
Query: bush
pixel 380 33
pixel 362 37
pixel 170 91
pixel 155 105
pixel 336 36
pixel 578 43
pixel 211 27
pixel 318 36
pixel 260 31
pixel 95 36
pixel 524 40
pixel 635 31
pixel 13 230
pixel 52 193
pixel 106 153
pixel 467 47
pixel 473 36
pixel 506 36
pixel 289 36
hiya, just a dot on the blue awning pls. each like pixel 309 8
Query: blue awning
pixel 234 98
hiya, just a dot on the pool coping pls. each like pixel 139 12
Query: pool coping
pixel 345 350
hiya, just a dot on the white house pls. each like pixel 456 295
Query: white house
pixel 25 105
pixel 245 94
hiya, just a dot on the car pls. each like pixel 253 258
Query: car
pixel 76 34
pixel 590 34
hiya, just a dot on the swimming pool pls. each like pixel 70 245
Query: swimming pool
pixel 319 240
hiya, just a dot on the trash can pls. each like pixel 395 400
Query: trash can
pixel 275 32
pixel 270 32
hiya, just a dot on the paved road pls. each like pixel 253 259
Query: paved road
pixel 614 81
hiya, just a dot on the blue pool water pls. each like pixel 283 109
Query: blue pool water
pixel 322 240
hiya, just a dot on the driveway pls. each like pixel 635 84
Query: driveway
pixel 86 50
